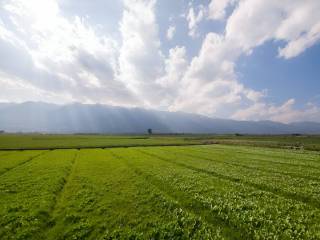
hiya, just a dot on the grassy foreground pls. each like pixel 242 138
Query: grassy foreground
pixel 177 192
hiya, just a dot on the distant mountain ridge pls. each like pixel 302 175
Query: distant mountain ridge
pixel 83 118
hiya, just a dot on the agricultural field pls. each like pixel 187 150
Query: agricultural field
pixel 67 141
pixel 52 141
pixel 307 142
pixel 160 192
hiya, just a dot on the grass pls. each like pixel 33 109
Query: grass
pixel 47 141
pixel 308 142
pixel 160 192
pixel 29 191
pixel 51 141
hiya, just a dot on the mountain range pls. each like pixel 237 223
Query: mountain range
pixel 96 118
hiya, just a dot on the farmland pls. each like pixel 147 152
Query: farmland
pixel 65 141
pixel 46 141
pixel 185 191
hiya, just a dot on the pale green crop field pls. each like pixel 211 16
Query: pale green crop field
pixel 67 141
pixel 161 192
pixel 53 141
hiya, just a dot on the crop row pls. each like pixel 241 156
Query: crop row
pixel 159 193
pixel 258 214
pixel 254 162
pixel 105 199
pixel 28 193
pixel 304 158
pixel 301 189
pixel 14 159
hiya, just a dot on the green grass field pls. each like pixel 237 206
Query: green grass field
pixel 36 141
pixel 160 192
pixel 47 141
pixel 308 142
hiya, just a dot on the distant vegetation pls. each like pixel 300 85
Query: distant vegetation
pixel 51 141
pixel 294 141
pixel 47 141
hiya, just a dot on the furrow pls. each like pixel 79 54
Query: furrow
pixel 189 204
pixel 286 157
pixel 290 174
pixel 59 192
pixel 296 197
pixel 273 162
pixel 22 163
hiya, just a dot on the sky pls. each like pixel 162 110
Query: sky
pixel 237 59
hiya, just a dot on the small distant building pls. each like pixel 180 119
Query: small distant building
pixel 149 131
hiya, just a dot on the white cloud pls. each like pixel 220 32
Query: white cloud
pixel 175 66
pixel 285 113
pixel 141 60
pixel 295 22
pixel 217 8
pixel 297 46
pixel 69 59
pixel 64 54
pixel 210 85
pixel 194 19
pixel 170 32
pixel 18 90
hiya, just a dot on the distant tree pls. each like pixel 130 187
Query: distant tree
pixel 1 131
pixel 149 131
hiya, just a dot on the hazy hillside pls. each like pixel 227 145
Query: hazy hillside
pixel 75 118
